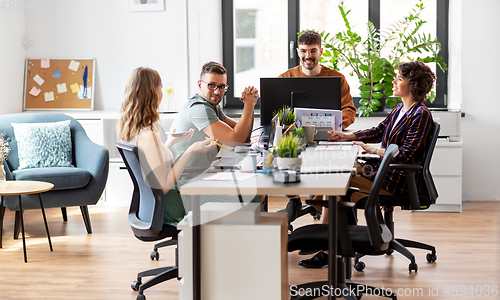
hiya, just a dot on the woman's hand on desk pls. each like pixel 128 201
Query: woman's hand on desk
pixel 369 149
pixel 337 136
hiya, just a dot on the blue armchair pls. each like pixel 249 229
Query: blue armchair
pixel 81 185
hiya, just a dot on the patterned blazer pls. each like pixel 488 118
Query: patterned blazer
pixel 412 134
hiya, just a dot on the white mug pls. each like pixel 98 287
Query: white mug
pixel 309 131
pixel 249 163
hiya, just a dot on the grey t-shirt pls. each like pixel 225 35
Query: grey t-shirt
pixel 197 113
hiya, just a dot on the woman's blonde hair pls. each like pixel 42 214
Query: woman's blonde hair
pixel 140 104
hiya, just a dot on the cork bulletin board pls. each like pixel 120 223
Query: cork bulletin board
pixel 54 84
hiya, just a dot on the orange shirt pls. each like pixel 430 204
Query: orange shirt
pixel 348 109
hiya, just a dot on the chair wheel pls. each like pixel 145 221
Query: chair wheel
pixel 154 255
pixel 413 267
pixel 316 216
pixel 290 228
pixel 135 285
pixel 359 266
pixel 431 257
pixel 140 297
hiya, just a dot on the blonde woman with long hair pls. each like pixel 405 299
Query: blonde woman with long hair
pixel 139 124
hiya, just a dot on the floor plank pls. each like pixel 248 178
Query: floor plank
pixel 102 265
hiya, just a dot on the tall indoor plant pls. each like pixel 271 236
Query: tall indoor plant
pixel 375 59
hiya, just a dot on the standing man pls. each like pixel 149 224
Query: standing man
pixel 310 50
pixel 203 114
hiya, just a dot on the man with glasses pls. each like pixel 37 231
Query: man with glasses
pixel 203 114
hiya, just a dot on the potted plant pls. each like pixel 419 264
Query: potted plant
pixel 286 115
pixel 375 59
pixel 288 152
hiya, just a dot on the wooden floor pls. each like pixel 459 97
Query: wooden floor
pixel 103 264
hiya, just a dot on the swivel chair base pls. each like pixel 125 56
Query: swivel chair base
pixel 400 246
pixel 160 274
pixel 345 287
pixel 155 255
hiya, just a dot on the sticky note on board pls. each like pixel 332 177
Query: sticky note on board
pixel 38 79
pixel 75 87
pixel 61 88
pixel 49 96
pixel 35 91
pixel 45 63
pixel 73 65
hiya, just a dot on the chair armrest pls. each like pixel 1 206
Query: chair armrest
pixel 95 159
pixel 347 197
pixel 322 203
pixel 340 204
pixel 411 182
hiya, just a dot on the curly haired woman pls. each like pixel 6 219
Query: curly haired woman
pixel 409 125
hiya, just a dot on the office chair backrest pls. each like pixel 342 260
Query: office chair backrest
pixel 380 235
pixel 146 208
pixel 428 187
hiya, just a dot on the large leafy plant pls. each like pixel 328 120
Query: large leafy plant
pixel 375 59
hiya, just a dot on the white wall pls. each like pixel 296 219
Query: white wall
pixel 204 37
pixel 481 125
pixel 119 40
pixel 12 56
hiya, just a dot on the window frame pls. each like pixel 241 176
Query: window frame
pixel 442 20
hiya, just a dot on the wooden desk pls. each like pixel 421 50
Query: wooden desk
pixel 22 187
pixel 333 184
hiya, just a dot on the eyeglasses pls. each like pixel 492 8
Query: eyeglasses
pixel 214 87
pixel 312 51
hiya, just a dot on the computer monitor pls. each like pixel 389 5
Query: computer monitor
pixel 307 92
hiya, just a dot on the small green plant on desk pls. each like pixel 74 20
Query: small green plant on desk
pixel 300 132
pixel 288 152
pixel 286 115
pixel 290 146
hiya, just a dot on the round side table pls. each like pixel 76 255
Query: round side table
pixel 24 187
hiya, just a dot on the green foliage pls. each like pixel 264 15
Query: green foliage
pixel 289 119
pixel 290 146
pixel 300 132
pixel 374 67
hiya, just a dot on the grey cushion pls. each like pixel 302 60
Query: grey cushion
pixel 63 178
pixel 42 145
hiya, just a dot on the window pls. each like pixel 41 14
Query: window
pixel 260 40
pixel 253 39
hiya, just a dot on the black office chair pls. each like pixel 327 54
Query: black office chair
pixel 419 197
pixel 146 215
pixel 374 238
pixel 301 210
